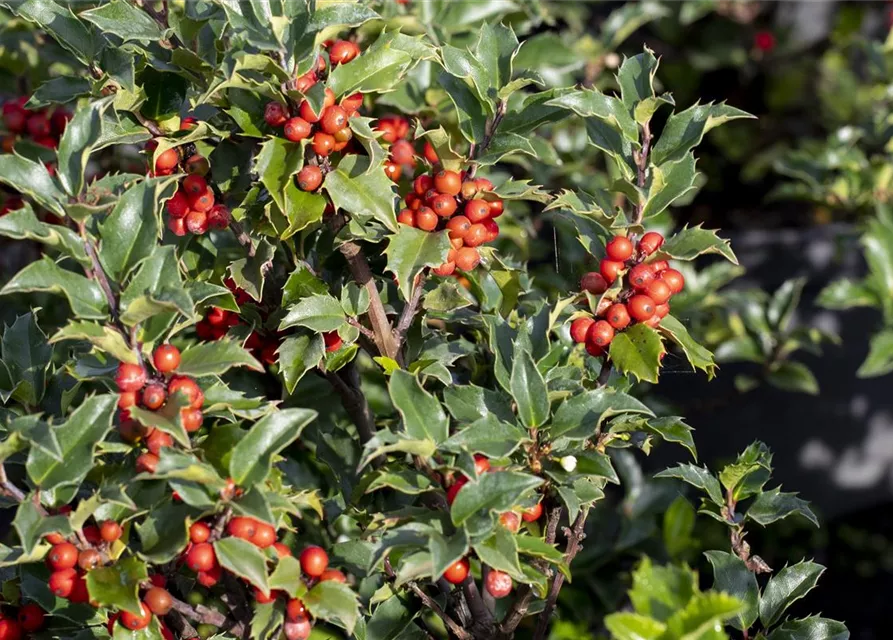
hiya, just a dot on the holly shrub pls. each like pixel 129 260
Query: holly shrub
pixel 290 361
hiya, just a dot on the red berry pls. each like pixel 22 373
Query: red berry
pixel 617 316
pixel 199 532
pixel 196 222
pixel 334 119
pixel 158 601
pixel 191 419
pixel 444 205
pixel 594 283
pixel 197 165
pixel 457 572
pixel 297 629
pixel 178 205
pixel 62 556
pixel 619 248
pixel 166 358
pixel 158 580
pixel 393 170
pixel 407 217
pixel 481 464
pixel 477 210
pixel 601 333
pixel 498 584
pixel 640 276
pixel 650 242
pixel 447 181
pixel 295 609
pixel 275 114
pixel 430 153
pixel 533 513
pixel 194 185
pixel 511 521
pixel 323 143
pixel 210 578
pixel 177 226
pixel 62 582
pixel 130 377
pixel 764 41
pixel 467 258
pixel 477 235
pixel 610 270
pixel 402 152
pixel 296 129
pixel 309 178
pixel 134 622
pixel 446 269
pixel 661 310
pixel 264 535
pixel 352 102
pixel 332 341
pixel 659 266
pixel 458 226
pixel 38 126
pixel 343 51
pixel 426 219
pixel 421 184
pixel 640 307
pixel 126 399
pixel 496 208
pixel 674 280
pixel 579 329
pixel 189 388
pixel 659 291
pixel 219 217
pixel 201 557
pixel 157 440
pixel 202 202
pixel 453 491
pixel 147 463
pixel 314 561
pixel 333 575
pixel 30 617
pixel 110 531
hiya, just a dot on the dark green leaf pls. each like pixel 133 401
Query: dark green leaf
pixel 316 312
pixel 669 182
pixel 333 602
pixel 880 356
pixel 297 356
pixel 410 250
pixel 732 576
pixel 165 532
pixel 63 26
pixel 446 551
pixel 22 224
pixel 252 457
pixel 812 628
pixel 362 190
pixel 249 273
pixel 26 358
pixel 579 416
pixel 692 242
pixel 489 436
pixel 125 20
pixel 697 477
pixel 492 492
pixel 104 337
pixel 275 164
pixel 529 391
pixel 786 587
pixel 117 585
pixel 793 376
pixel 423 417
pixel 243 559
pixel 78 140
pixel 698 356
pixel 33 180
pixel 637 351
pixel 215 358
pixel 685 130
pixel 500 551
pixel 591 103
pixel 468 403
pixel 61 90
pixel 774 505
pixel 32 525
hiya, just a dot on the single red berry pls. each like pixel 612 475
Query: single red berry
pixel 209 578
pixel 166 358
pixel 137 622
pixel 659 291
pixel 594 283
pixel 650 242
pixel 458 226
pixel 619 248
pixel 446 269
pixel 281 550
pixel 62 556
pixel 295 609
pixel 496 208
pixel 430 153
pixel 579 329
pixel 467 258
pixel 610 270
pixel 157 440
pixel 194 185
pixel 476 236
pixel 402 152
pixel 601 333
pixel 130 377
pixel 533 513
pixel 309 178
pixel 62 582
pixel 661 310
pixel 264 535
pixel 764 41
pixel 38 126
pixel 178 205
pixel 199 532
pixel 275 114
pixel 297 629
pixel 323 143
pixel 407 217
pixel 352 102
pixel 127 399
pixel 110 531
pixel 201 557
pixel 444 205
pixel 334 119
pixel 196 222
pixel 296 129
pixel 457 572
pixel 421 184
pixel 640 276
pixel 202 202
pixel 191 419
pixel 197 165
pixel 158 580
pixel 477 210
pixel 674 280
pixel 262 598
pixel 307 112
pixel 314 560
pixel 189 388
pixel 481 464
pixel 617 316
pixel 343 51
pixel 393 170
pixel 659 266
pixel 177 226
pixel 426 219
pixel 498 584
pixel 447 181
pixel 453 491
pixel 31 617
pixel 242 527
pixel 219 217
pixel 640 307
pixel 147 463
pixel 510 520
pixel 158 601
pixel 332 341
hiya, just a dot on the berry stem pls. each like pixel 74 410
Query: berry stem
pixel 641 159
pixel 409 312
pixel 428 601
pixel 476 151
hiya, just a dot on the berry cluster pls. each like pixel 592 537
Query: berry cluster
pixel 43 127
pixel 192 208
pixel 644 298
pixel 497 583
pixel 136 388
pixel 27 618
pixel 449 200
pixel 402 154
pixel 327 129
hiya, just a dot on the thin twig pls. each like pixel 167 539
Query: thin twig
pixel 347 383
pixel 477 152
pixel 220 524
pixel 98 271
pixel 9 489
pixel 378 318
pixel 641 159
pixel 151 125
pixel 429 602
pixel 482 618
pixel 366 331
pixel 242 236
pixel 574 538
pixel 605 374
pixel 411 308
pixel 205 615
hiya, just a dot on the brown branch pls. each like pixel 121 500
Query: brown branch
pixel 363 329
pixel 385 341
pixel 476 151
pixel 242 237
pixel 347 384
pixel 12 491
pixel 641 159
pixel 220 524
pixel 574 538
pixel 151 125
pixel 410 310
pixel 605 374
pixel 204 615
pixel 482 619
pixel 180 625
pixel 98 271
pixel 429 602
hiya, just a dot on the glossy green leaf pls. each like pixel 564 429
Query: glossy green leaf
pixel 446 551
pixel 698 356
pixel 773 505
pixel 793 376
pixel 692 242
pixel 164 532
pixel 60 22
pixel 669 182
pixel 80 136
pixel 637 352
pixel 297 356
pixel 249 273
pixel 252 457
pixel 117 585
pixel 78 437
pixel 698 477
pixel 32 525
pixel 33 180
pixel 731 575
pixel 22 224
pixel 215 358
pixel 500 551
pixel 492 492
pixel 245 560
pixel 686 129
pixel 591 103
pixel 786 587
pixel 275 164
pixel 125 20
pixel 61 90
pixel 26 357
pixel 880 356
pixel 581 415
pixel 529 391
pixel 489 436
pixel 333 602
pixel 316 312
pixel 633 626
pixel 423 416
pixel 102 336
pixel 812 628
pixel 362 190
pixel 410 250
